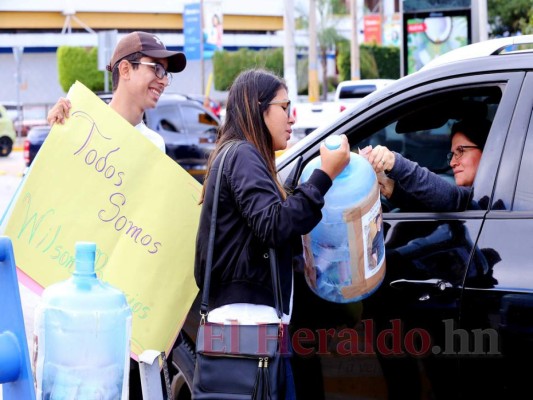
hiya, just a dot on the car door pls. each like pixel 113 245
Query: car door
pixel 497 317
pixel 166 119
pixel 403 329
pixel 201 127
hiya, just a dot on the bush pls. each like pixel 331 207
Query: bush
pixel 387 60
pixel 79 64
pixel 332 85
pixel 227 65
pixel 375 61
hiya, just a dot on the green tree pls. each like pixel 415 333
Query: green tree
pixel 510 16
pixel 339 7
pixel 327 36
pixel 527 26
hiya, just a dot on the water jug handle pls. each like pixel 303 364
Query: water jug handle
pixel 333 142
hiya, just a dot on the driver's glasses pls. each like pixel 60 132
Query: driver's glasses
pixel 458 153
pixel 159 71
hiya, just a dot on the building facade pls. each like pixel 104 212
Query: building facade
pixel 36 29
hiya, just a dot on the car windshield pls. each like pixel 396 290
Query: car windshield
pixel 356 91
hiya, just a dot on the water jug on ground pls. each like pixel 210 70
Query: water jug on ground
pixel 82 336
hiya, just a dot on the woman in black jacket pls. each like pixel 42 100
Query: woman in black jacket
pixel 255 212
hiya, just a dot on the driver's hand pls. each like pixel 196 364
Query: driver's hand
pixel 380 157
pixel 386 185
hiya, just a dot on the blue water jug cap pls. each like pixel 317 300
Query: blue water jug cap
pixel 333 142
pixel 85 256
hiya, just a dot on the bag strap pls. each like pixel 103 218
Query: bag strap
pixel 276 287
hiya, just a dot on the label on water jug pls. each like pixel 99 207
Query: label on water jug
pixel 371 223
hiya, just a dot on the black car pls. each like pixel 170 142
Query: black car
pixel 453 317
pixel 188 129
pixel 33 142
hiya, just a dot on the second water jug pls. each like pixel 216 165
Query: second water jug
pixel 82 336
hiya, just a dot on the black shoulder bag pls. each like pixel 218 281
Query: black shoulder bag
pixel 238 361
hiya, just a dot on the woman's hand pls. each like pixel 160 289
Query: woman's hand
pixel 59 112
pixel 334 161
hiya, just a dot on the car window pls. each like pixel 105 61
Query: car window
pixel 420 130
pixel 192 119
pixel 356 91
pixel 165 118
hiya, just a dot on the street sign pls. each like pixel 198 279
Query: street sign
pixel 192 31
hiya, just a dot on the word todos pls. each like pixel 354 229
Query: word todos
pixel 104 165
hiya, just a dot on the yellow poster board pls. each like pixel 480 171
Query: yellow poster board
pixel 98 179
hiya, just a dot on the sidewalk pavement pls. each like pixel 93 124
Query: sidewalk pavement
pixel 19 144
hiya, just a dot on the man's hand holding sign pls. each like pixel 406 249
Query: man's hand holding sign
pixel 97 179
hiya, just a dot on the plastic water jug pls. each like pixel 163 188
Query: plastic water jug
pixel 82 336
pixel 345 252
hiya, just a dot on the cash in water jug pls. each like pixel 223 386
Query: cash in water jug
pixel 345 253
pixel 82 336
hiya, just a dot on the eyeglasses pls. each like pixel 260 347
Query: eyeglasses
pixel 458 153
pixel 159 70
pixel 281 103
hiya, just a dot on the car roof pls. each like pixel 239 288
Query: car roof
pixel 493 47
pixel 40 128
pixel 364 82
pixel 107 96
pixel 172 97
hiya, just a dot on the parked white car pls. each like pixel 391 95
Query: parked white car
pixel 352 91
pixel 310 116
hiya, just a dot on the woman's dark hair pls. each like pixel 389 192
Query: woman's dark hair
pixel 115 77
pixel 248 99
pixel 476 130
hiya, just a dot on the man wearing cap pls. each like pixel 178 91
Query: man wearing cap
pixel 141 68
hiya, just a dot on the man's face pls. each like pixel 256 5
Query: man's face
pixel 145 85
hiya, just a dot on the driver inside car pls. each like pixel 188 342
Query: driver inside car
pixel 412 187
